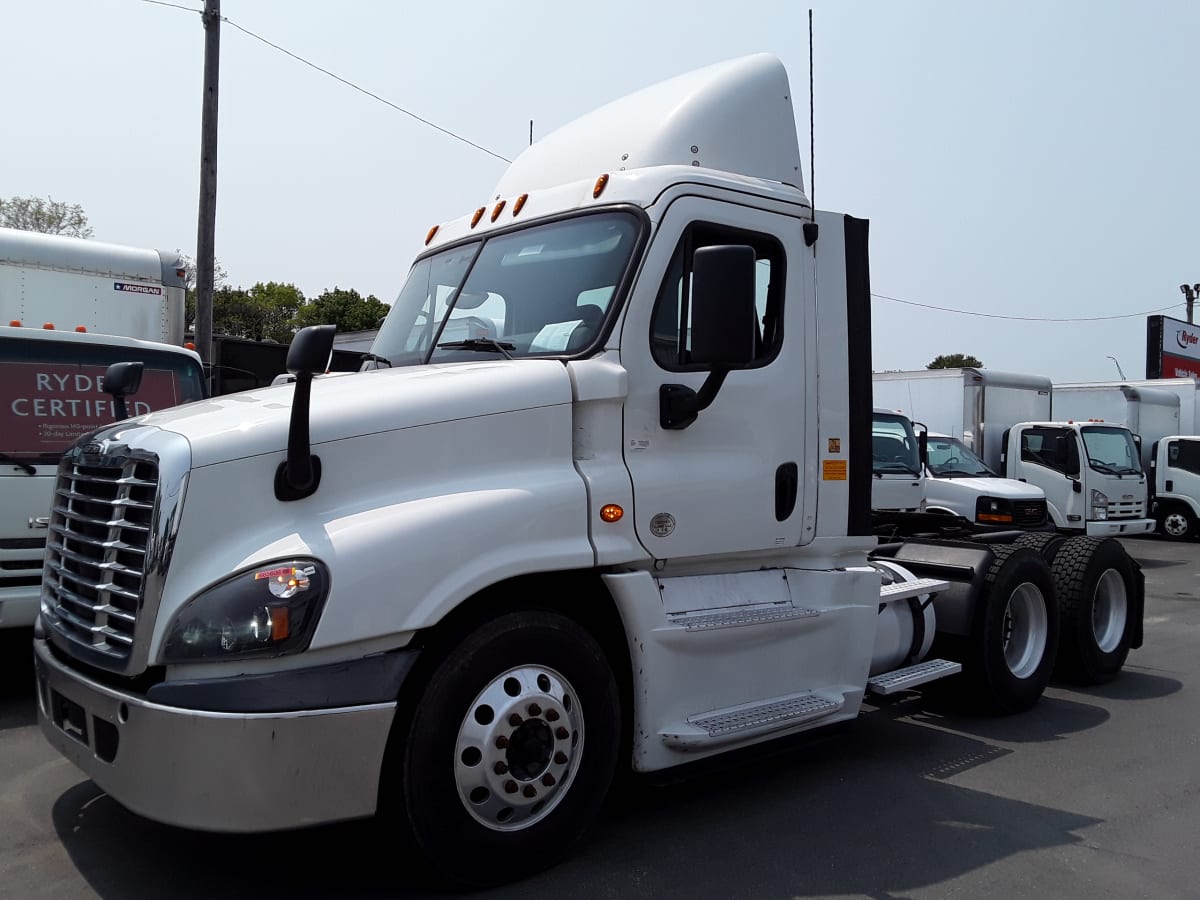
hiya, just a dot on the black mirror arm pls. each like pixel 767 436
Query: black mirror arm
pixel 679 405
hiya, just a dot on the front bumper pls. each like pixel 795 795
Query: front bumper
pixel 1120 527
pixel 215 771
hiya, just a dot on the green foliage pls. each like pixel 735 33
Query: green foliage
pixel 955 361
pixel 263 313
pixel 347 309
pixel 47 216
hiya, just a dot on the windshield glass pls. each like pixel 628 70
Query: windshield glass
pixel 50 392
pixel 1111 450
pixel 541 291
pixel 949 456
pixel 893 445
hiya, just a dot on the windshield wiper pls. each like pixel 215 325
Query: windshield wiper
pixel 480 344
pixel 1103 468
pixel 19 463
pixel 371 357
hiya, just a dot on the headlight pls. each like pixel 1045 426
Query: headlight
pixel 269 610
pixel 993 510
pixel 1099 506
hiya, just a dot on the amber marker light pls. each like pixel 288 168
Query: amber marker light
pixel 610 512
pixel 478 215
pixel 280 627
pixel 189 346
pixel 81 329
pixel 601 184
pixel 48 326
pixel 429 235
pixel 497 209
pixel 519 204
pixel 14 323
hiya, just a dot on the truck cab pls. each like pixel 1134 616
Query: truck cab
pixel 1090 473
pixel 1175 466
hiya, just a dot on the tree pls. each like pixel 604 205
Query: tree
pixel 265 312
pixel 47 216
pixel 955 361
pixel 347 309
pixel 189 286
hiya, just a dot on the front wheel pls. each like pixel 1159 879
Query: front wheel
pixel 511 748
pixel 1176 523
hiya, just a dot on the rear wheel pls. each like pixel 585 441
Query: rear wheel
pixel 1096 586
pixel 1176 523
pixel 1015 635
pixel 511 748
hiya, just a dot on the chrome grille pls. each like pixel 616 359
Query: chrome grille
pixel 96 551
pixel 1126 509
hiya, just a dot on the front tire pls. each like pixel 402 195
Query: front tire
pixel 1096 587
pixel 1176 523
pixel 511 748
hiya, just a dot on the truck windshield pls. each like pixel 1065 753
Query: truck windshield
pixel 50 392
pixel 893 445
pixel 1111 450
pixel 950 457
pixel 540 291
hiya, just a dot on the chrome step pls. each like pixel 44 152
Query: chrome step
pixel 721 725
pixel 902 589
pixel 911 676
pixel 707 621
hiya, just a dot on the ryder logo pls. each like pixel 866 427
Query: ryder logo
pixel 1186 339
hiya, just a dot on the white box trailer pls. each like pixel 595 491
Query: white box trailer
pixel 1007 419
pixel 1169 452
pixel 70 284
pixel 1186 389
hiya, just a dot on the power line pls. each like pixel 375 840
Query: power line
pixel 967 312
pixel 339 78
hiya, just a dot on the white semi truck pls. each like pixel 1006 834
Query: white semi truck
pixel 1169 453
pixel 1006 419
pixel 69 308
pixel 625 520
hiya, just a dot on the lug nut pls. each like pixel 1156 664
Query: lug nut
pixel 529 791
pixel 548 780
pixel 510 787
pixel 501 742
pixel 514 720
pixel 560 758
pixel 561 733
pixel 534 709
pixel 552 715
pixel 501 768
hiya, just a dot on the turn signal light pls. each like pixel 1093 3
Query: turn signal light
pixel 611 512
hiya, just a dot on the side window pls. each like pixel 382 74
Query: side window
pixel 1054 448
pixel 670 338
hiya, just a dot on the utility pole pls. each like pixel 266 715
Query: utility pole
pixel 1190 291
pixel 207 225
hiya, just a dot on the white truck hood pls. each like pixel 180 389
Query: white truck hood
pixel 250 423
pixel 1005 488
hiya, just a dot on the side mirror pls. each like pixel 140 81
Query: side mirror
pixel 300 474
pixel 122 379
pixel 922 444
pixel 723 328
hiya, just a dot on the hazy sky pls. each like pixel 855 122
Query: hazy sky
pixel 1030 158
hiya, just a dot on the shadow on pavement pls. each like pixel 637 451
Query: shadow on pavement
pixel 18 703
pixel 1132 685
pixel 866 811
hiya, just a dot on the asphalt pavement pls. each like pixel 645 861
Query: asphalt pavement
pixel 1094 793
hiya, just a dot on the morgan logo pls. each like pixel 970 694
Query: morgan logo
pixel 1186 339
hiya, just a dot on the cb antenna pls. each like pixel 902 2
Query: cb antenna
pixel 812 141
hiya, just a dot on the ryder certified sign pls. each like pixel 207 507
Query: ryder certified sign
pixel 1172 348
pixel 46 406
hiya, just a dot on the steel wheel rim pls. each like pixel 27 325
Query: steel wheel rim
pixel 1026 630
pixel 518 748
pixel 1110 608
pixel 1175 524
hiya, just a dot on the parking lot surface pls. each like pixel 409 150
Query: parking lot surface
pixel 1094 793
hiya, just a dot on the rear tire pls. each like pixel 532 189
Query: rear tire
pixel 511 748
pixel 1176 523
pixel 1096 586
pixel 1047 543
pixel 1015 636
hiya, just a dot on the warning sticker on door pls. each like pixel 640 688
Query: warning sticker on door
pixel 833 470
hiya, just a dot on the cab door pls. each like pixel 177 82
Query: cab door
pixel 733 480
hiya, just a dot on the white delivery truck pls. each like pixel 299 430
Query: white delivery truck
pixel 1006 420
pixel 605 499
pixel 68 308
pixel 1168 452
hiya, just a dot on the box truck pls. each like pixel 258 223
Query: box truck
pixel 624 520
pixel 1007 420
pixel 1168 452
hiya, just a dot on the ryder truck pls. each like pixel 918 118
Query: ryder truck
pixel 606 498
pixel 68 309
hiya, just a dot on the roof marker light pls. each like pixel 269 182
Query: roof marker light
pixel 48 326
pixel 520 203
pixel 478 215
pixel 601 184
pixel 14 323
pixel 429 235
pixel 81 329
pixel 497 209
